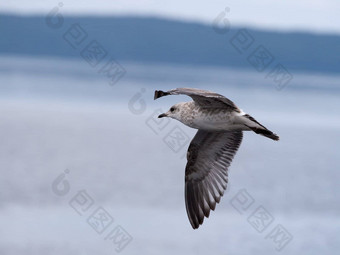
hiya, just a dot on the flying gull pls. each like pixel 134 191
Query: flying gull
pixel 220 125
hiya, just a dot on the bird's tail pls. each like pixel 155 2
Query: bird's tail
pixel 260 129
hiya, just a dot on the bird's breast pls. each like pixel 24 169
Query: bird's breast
pixel 213 120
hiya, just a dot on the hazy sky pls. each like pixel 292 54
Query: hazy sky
pixel 312 15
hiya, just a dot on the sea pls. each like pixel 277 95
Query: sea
pixel 88 168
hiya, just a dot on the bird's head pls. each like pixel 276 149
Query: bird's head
pixel 174 112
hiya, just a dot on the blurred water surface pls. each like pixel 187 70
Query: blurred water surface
pixel 60 114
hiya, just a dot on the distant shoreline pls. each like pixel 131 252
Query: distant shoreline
pixel 155 40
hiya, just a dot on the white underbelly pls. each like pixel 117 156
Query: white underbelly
pixel 221 125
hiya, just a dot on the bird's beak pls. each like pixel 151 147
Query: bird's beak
pixel 163 115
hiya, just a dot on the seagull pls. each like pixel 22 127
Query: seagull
pixel 220 125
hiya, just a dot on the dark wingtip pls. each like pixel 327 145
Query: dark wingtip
pixel 160 93
pixel 276 137
pixel 195 225
pixel 272 136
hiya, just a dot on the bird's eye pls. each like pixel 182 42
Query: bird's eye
pixel 172 109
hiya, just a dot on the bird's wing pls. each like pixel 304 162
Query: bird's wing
pixel 206 174
pixel 204 98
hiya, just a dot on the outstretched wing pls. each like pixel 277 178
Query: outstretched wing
pixel 206 174
pixel 204 98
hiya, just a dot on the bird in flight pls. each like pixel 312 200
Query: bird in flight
pixel 220 125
